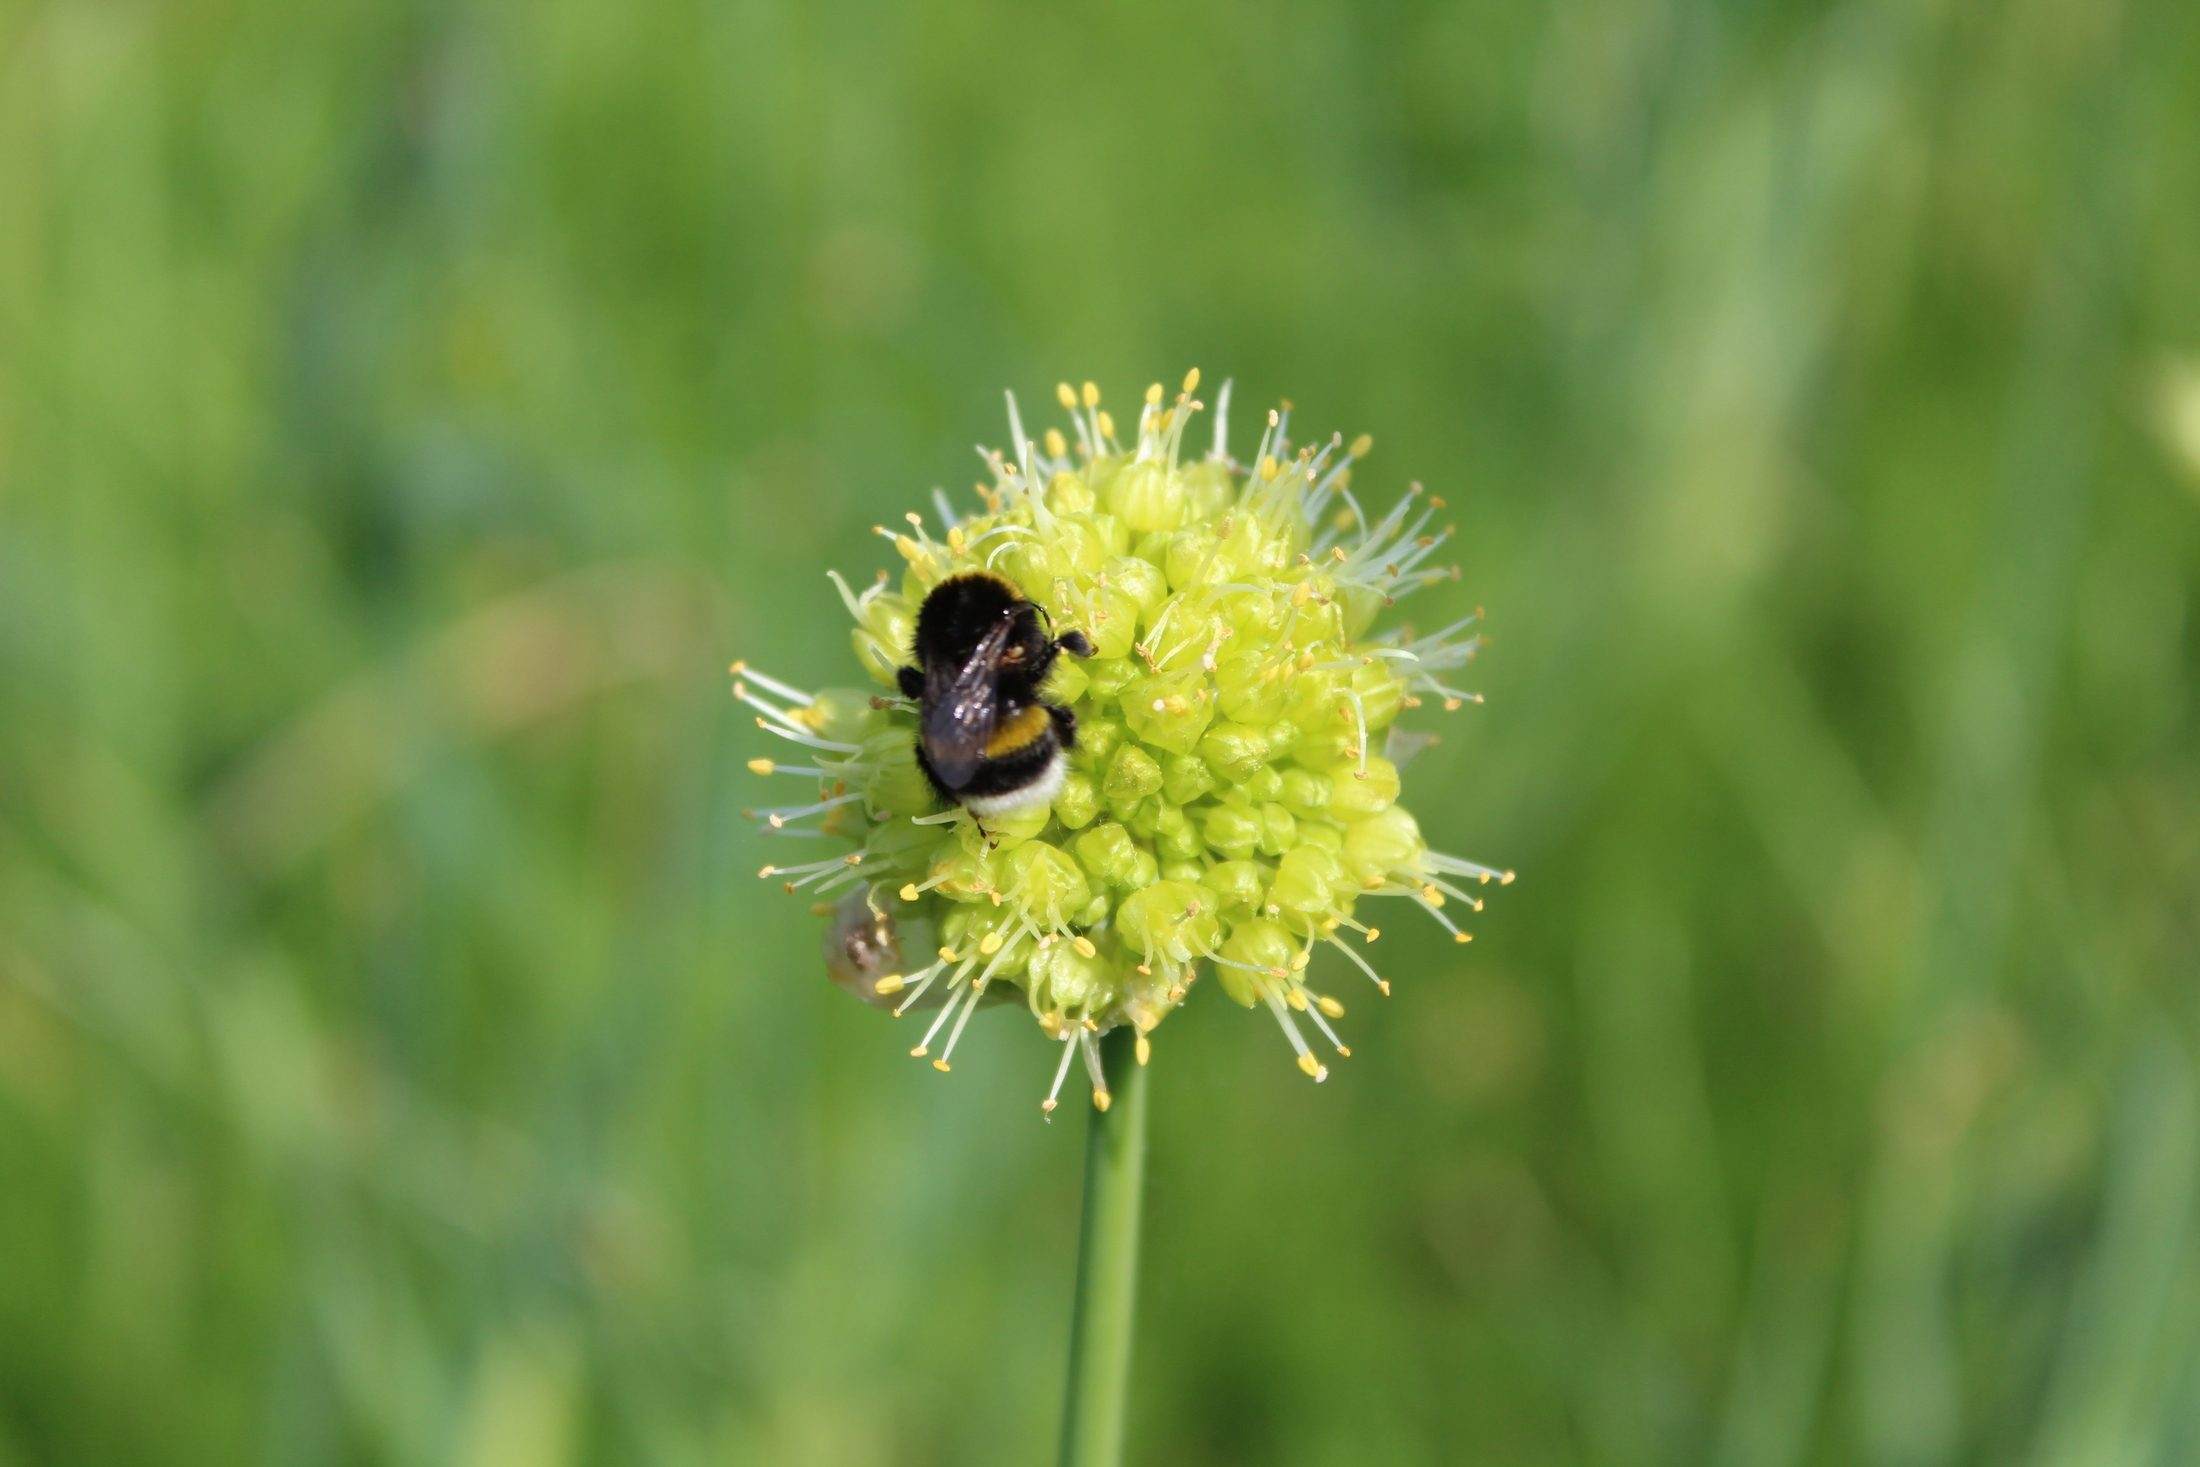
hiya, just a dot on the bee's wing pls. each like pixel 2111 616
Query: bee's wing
pixel 961 705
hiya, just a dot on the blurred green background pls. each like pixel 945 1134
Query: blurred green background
pixel 407 410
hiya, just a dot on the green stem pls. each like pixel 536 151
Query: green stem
pixel 1107 1264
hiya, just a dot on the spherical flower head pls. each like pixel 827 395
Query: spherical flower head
pixel 1231 795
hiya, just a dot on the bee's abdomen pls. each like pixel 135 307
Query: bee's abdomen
pixel 1019 732
pixel 1017 763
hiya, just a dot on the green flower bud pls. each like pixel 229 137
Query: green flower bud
pixel 1302 792
pixel 1068 682
pixel 1111 856
pixel 1211 488
pixel 1185 777
pixel 1141 582
pixel 1110 618
pixel 1045 880
pixel 1237 883
pixel 1309 881
pixel 1353 793
pixel 1174 836
pixel 1148 496
pixel 894 786
pixel 1251 688
pixel 883 636
pixel 1256 951
pixel 1169 710
pixel 1065 981
pixel 1233 751
pixel 1078 804
pixel 1068 493
pixel 1132 775
pixel 1384 844
pixel 1171 921
pixel 1232 832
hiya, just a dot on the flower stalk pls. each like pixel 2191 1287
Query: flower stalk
pixel 1224 798
pixel 1093 1410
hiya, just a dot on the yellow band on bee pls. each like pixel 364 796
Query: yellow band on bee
pixel 1019 732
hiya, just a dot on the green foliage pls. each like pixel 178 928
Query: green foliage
pixel 407 411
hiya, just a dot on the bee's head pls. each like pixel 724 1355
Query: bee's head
pixel 1024 640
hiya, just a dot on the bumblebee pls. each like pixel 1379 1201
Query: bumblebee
pixel 986 740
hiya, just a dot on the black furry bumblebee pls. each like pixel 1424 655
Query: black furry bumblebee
pixel 986 740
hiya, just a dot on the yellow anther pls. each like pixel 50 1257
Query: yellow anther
pixel 1297 999
pixel 1153 395
pixel 940 1065
pixel 1046 1107
pixel 990 944
pixel 762 872
pixel 1361 445
pixel 1107 424
pixel 1101 1100
pixel 1373 933
pixel 919 1052
pixel 761 766
pixel 1191 380
pixel 1084 946
pixel 1464 937
pixel 1145 1049
pixel 1065 395
pixel 908 892
pixel 890 985
pixel 1057 445
pixel 1091 394
pixel 1331 1007
pixel 1312 1068
pixel 1269 468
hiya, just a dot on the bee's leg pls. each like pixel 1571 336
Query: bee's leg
pixel 1065 724
pixel 1075 643
pixel 910 681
